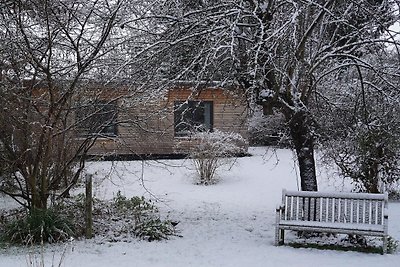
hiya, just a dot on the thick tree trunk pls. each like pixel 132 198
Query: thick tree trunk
pixel 371 176
pixel 39 200
pixel 300 130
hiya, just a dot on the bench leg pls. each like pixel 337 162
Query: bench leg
pixel 385 241
pixel 279 236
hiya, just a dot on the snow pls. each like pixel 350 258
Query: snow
pixel 226 224
pixel 266 93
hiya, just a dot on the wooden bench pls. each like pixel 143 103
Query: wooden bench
pixel 346 213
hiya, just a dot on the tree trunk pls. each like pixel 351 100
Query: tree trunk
pixel 300 131
pixel 39 201
pixel 371 176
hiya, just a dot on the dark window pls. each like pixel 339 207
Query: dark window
pixel 193 116
pixel 97 118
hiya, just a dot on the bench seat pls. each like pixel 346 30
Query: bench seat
pixel 345 228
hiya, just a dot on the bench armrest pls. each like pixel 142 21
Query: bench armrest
pixel 280 208
pixel 386 214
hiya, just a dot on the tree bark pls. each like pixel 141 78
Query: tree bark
pixel 301 133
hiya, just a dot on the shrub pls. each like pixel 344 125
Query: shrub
pixel 394 194
pixel 154 229
pixel 39 226
pixel 138 204
pixel 214 150
pixel 119 219
pixel 392 245
pixel 146 223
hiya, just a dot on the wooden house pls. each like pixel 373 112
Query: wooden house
pixel 133 125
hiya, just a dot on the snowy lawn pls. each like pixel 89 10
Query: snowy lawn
pixel 227 224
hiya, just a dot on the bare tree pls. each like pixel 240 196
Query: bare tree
pixel 278 51
pixel 49 48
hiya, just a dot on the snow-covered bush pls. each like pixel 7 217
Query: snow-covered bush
pixel 392 245
pixel 360 126
pixel 154 229
pixel 369 155
pixel 268 130
pixel 142 217
pixel 214 150
pixel 120 219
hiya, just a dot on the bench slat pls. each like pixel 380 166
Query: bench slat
pixel 349 226
pixel 336 195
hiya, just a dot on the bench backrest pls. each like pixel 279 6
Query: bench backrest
pixel 355 208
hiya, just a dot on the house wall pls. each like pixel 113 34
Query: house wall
pixel 148 128
pixel 229 112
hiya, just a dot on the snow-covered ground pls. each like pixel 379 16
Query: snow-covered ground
pixel 227 224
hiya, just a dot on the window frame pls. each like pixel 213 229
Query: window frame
pixel 97 118
pixel 193 116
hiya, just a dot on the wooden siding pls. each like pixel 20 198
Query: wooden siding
pixel 145 129
pixel 229 112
